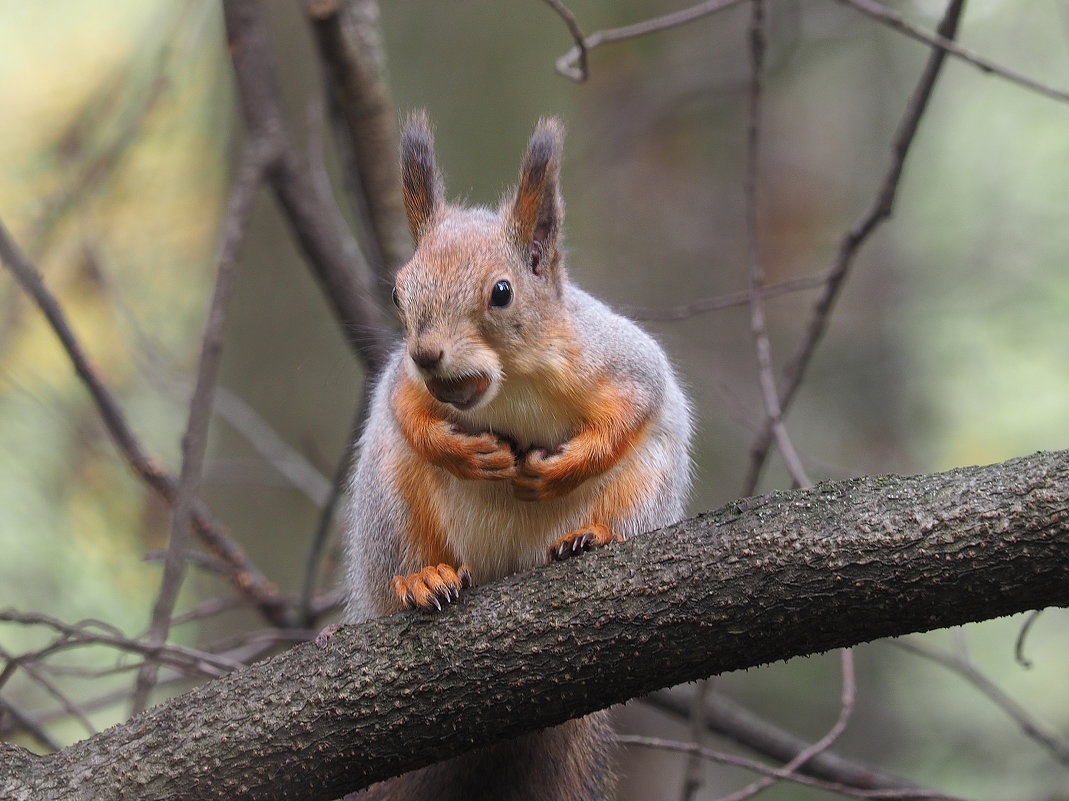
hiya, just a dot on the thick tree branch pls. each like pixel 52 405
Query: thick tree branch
pixel 757 581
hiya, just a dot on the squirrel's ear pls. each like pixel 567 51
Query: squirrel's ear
pixel 537 211
pixel 421 183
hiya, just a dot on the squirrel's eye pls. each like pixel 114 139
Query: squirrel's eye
pixel 396 300
pixel 501 294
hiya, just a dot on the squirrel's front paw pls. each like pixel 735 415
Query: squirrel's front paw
pixel 432 587
pixel 540 475
pixel 478 456
pixel 582 539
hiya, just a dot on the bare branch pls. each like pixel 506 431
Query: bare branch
pixel 326 244
pixel 1057 746
pixel 350 46
pixel 577 71
pixel 317 549
pixel 290 463
pixel 777 773
pixel 80 634
pixel 242 573
pixel 567 64
pixel 25 722
pixel 756 275
pixel 728 719
pixel 880 210
pixel 34 674
pixel 846 710
pixel 945 43
pixel 694 773
pixel 195 439
pixel 685 311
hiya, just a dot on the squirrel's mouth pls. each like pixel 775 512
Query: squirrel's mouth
pixel 463 393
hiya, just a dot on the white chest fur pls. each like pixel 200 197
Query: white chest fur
pixel 495 534
pixel 486 527
pixel 525 413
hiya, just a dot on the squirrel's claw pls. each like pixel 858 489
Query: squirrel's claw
pixel 433 587
pixel 582 539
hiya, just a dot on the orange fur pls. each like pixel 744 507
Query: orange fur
pixel 439 442
pixel 525 211
pixel 432 587
pixel 418 487
pixel 621 495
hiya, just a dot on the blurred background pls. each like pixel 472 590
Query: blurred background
pixel 950 344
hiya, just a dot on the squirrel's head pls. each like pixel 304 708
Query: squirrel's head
pixel 482 297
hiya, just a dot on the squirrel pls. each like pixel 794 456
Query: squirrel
pixel 521 421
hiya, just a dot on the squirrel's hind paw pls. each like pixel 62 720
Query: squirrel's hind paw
pixel 432 587
pixel 582 539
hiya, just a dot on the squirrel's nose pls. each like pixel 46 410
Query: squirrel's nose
pixel 427 358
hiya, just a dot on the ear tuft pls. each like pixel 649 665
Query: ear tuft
pixel 421 182
pixel 537 211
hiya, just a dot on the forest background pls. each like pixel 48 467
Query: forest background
pixel 948 347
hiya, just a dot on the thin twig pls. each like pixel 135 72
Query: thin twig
pixel 205 561
pixel 1030 726
pixel 728 719
pixel 694 774
pixel 778 773
pixel 195 440
pixel 23 721
pixel 71 708
pixel 946 44
pixel 290 463
pixel 243 574
pixel 578 71
pixel 79 634
pixel 44 716
pixel 848 696
pixel 685 311
pixel 756 277
pixel 1018 648
pixel 318 547
pixel 566 64
pixel 880 210
pixel 158 367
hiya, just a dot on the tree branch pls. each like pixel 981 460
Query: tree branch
pixel 328 246
pixel 757 581
pixel 195 439
pixel 573 64
pixel 946 44
pixel 881 210
pixel 755 269
pixel 241 572
pixel 350 46
pixel 737 723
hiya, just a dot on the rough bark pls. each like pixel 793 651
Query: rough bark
pixel 759 580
